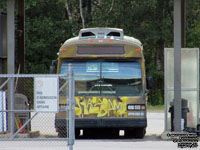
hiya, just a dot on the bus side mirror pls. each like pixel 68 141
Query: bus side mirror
pixel 53 67
pixel 52 70
pixel 149 82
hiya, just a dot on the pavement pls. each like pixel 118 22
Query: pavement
pixel 152 140
pixel 155 121
pixel 148 143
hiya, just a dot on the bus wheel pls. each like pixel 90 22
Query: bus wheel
pixel 140 133
pixel 62 132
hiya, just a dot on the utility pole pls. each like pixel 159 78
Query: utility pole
pixel 11 59
pixel 178 5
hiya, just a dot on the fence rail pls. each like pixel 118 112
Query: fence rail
pixel 28 114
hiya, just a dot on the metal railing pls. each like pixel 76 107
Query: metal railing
pixel 26 113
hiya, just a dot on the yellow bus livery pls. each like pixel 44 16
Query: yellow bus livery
pixel 111 92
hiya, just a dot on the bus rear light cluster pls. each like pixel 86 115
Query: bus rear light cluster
pixel 138 50
pixel 136 107
pixel 63 50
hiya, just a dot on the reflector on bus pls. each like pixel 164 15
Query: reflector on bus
pixel 100 50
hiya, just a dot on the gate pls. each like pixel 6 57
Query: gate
pixel 28 105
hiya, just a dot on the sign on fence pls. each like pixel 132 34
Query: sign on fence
pixel 46 94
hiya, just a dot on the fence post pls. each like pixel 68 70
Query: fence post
pixel 12 105
pixel 71 108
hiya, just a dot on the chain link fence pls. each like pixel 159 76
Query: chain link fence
pixel 29 105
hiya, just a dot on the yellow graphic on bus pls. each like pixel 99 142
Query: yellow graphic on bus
pixel 101 107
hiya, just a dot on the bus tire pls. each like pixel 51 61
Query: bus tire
pixel 140 133
pixel 62 133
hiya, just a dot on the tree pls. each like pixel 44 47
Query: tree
pixel 46 28
pixel 49 22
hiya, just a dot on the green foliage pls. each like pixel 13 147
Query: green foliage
pixel 155 108
pixel 46 28
pixel 156 97
pixel 3 4
pixel 193 25
pixel 48 23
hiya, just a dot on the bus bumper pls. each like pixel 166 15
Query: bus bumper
pixel 121 123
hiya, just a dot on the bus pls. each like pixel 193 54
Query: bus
pixel 111 94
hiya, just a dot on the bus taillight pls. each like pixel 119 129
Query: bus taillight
pixel 138 50
pixel 63 50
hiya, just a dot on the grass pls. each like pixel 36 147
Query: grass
pixel 156 108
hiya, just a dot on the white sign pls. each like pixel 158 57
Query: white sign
pixel 46 94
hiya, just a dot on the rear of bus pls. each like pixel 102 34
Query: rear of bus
pixel 110 83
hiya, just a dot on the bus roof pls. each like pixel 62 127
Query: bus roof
pixel 113 34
